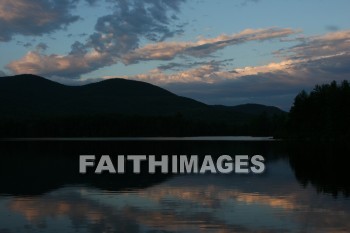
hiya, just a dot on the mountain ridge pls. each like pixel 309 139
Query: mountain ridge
pixel 106 84
pixel 27 98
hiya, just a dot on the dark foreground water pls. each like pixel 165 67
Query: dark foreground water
pixel 304 189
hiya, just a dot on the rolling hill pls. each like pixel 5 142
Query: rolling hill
pixel 33 100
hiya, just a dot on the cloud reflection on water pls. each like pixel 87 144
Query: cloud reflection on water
pixel 184 205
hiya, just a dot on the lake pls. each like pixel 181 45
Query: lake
pixel 305 188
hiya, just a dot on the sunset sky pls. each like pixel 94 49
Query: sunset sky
pixel 219 52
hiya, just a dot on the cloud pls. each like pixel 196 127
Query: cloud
pixel 70 65
pixel 114 47
pixel 314 60
pixel 25 45
pixel 41 47
pixel 204 73
pixel 269 89
pixel 245 2
pixel 269 85
pixel 319 59
pixel 322 55
pixel 35 17
pixel 121 31
pixel 116 34
pixel 325 45
pixel 180 66
pixel 287 71
pixel 202 47
pixel 332 28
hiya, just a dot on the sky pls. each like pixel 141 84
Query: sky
pixel 219 52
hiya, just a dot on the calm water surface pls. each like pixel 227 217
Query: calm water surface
pixel 41 190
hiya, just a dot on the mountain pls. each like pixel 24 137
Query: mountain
pixel 257 109
pixel 33 100
pixel 33 95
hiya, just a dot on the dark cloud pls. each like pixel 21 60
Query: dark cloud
pixel 91 2
pixel 265 89
pixel 132 20
pixel 336 67
pixel 27 45
pixel 78 48
pixel 34 17
pixel 180 66
pixel 332 28
pixel 41 46
pixel 246 2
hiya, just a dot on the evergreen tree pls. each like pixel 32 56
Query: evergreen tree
pixel 322 114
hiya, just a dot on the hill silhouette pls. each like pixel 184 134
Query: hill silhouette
pixel 30 94
pixel 35 106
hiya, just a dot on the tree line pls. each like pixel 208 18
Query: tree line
pixel 322 114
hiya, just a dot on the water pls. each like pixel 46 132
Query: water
pixel 198 138
pixel 304 189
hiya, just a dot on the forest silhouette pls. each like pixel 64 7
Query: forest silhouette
pixel 322 114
